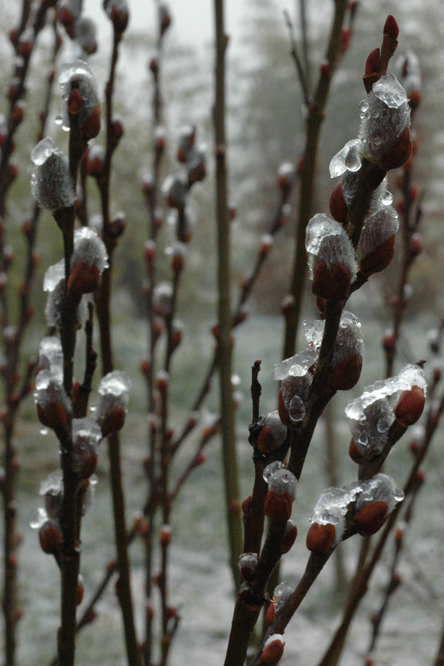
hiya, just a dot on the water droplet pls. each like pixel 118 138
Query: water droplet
pixel 353 160
pixel 43 431
pixel 363 105
pixel 58 120
pixel 296 409
pixel 377 140
pixel 383 424
pixel 375 114
pixel 271 469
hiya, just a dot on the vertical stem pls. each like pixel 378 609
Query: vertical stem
pixel 224 285
pixel 314 123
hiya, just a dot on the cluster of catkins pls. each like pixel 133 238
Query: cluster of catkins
pixel 339 256
pixel 54 409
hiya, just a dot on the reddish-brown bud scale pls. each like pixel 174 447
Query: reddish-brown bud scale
pixel 379 259
pixel 289 539
pixel 83 279
pixel 282 410
pixel 234 507
pixel 117 130
pixel 345 39
pixel 92 126
pixel 165 537
pixel 114 421
pixel 199 460
pixel 338 207
pixel 50 537
pixel 398 154
pixel 410 406
pixel 391 27
pixel 177 263
pixel 370 518
pixel 325 71
pixel 320 538
pixel 54 416
pixel 270 615
pixel 13 36
pixel 75 102
pixel 272 653
pixel 372 63
pixel 266 442
pixel 331 284
pixel 415 99
pixel 399 535
pixel 354 453
pixel 119 20
pixel 17 115
pixel 345 375
pixel 278 506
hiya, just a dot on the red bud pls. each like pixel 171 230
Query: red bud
pixel 370 518
pixel 410 406
pixel 320 538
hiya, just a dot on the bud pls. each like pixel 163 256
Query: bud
pixel 410 406
pixel 113 401
pixel 273 433
pixel 165 535
pixel 291 532
pixel 376 246
pixel 175 190
pixel 88 261
pixel 355 453
pixel 50 537
pixel 51 183
pixel 338 207
pixel 77 75
pixel 320 538
pixel 273 650
pixel 85 34
pixel 370 518
pixel 187 138
pixel 117 12
pixel 52 402
pixel 247 565
pixel 286 177
pixel 95 159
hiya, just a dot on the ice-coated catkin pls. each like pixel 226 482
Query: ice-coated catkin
pixel 51 183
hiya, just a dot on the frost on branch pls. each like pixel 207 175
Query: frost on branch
pixel 51 182
pixel 372 414
pixel 332 259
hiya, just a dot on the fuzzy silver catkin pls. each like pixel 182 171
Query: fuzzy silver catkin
pixel 51 183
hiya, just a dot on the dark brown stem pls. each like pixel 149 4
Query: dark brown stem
pixel 314 122
pixel 224 287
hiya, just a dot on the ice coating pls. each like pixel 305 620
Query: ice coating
pixel 388 115
pixel 44 149
pixel 328 241
pixel 275 426
pixel 377 229
pixel 39 518
pixel 372 414
pixel 272 638
pixel 54 306
pixel 51 183
pixel 162 298
pixel 77 74
pixel 295 366
pixel 281 595
pixel 347 159
pixel 51 356
pixel 53 276
pixel 113 392
pixel 381 488
pixel 282 481
pixel 271 469
pixel 49 389
pixel 295 391
pixel 89 249
pixel 53 484
pixel 86 430
pixel 318 228
pixel 331 509
pixel 247 560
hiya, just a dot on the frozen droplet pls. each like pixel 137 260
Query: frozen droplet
pixel 387 198
pixel 363 439
pixel 271 469
pixel 43 150
pixel 363 106
pixel 375 114
pixel 353 160
pixel 338 164
pixel 296 409
pixel 377 139
pixel 58 119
